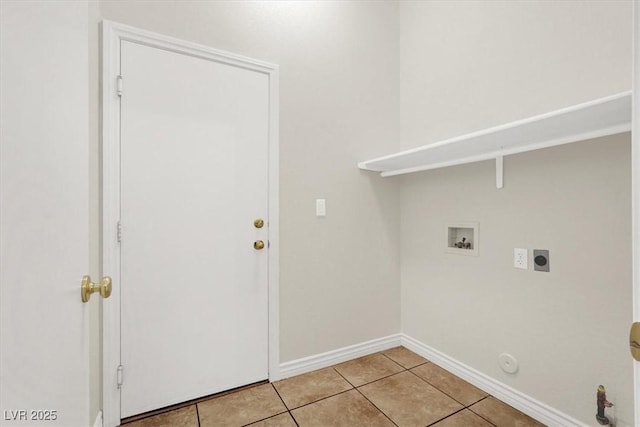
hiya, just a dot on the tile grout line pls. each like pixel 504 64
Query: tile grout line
pixel 469 408
pixel 371 382
pixel 320 400
pixel 187 403
pixel 294 419
pixel 409 370
pixel 342 376
pixel 405 368
pixel 279 396
pixel 447 394
pixel 374 405
pixel 273 415
pixel 444 392
pixel 264 419
pixel 285 405
pixel 448 416
pixel 289 411
pixel 464 406
pixel 365 397
pixel 397 363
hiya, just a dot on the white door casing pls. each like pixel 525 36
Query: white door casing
pixel 635 191
pixel 117 41
pixel 44 214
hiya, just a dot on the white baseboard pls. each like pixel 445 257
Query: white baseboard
pixel 318 361
pixel 530 406
pixel 522 402
pixel 98 421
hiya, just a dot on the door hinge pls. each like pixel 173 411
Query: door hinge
pixel 119 375
pixel 119 85
pixel 119 232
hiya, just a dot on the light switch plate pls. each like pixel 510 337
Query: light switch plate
pixel 520 256
pixel 321 207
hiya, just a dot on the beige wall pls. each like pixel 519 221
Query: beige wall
pixel 338 104
pixel 469 65
pixel 355 76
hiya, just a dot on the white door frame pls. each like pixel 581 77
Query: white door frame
pixel 112 36
pixel 635 190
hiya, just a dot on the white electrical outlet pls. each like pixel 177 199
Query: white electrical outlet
pixel 520 258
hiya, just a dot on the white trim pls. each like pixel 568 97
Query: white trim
pixel 110 218
pixel 563 126
pixel 635 193
pixel 322 360
pixel 274 226
pixel 98 421
pixel 614 130
pixel 112 35
pixel 524 403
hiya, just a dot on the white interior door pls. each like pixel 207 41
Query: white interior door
pixel 44 211
pixel 194 177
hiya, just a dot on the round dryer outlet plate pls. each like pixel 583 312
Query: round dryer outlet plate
pixel 508 363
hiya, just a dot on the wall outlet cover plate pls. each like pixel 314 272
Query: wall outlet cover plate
pixel 541 260
pixel 520 258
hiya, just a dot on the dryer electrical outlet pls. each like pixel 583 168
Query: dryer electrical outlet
pixel 541 260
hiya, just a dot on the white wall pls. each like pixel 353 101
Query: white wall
pixel 470 65
pixel 338 104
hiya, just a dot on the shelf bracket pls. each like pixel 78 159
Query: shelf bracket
pixel 499 172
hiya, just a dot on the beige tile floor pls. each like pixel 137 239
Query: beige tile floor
pixel 392 388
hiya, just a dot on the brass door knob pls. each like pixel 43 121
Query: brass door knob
pixel 88 287
pixel 634 340
pixel 258 245
pixel 258 223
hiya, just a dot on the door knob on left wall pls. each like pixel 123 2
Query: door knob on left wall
pixel 88 287
pixel 634 341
